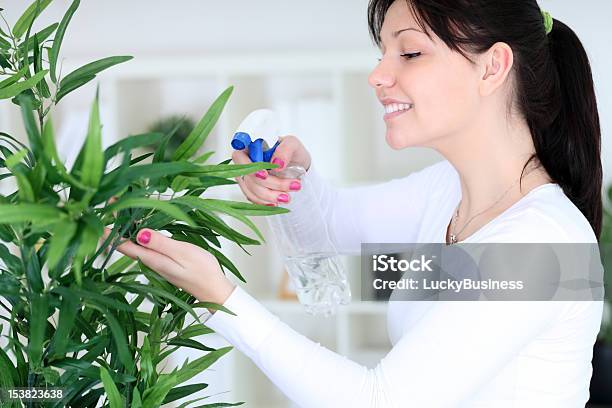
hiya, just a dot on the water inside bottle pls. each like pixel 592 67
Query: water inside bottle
pixel 319 282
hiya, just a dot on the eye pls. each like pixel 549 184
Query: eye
pixel 410 55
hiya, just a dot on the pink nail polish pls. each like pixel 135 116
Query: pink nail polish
pixel 295 186
pixel 283 198
pixel 144 237
pixel 280 163
pixel 261 174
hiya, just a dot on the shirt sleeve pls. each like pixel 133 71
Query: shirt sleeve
pixel 387 212
pixel 441 361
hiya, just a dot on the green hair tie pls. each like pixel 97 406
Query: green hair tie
pixel 548 21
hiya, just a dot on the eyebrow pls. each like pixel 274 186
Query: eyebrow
pixel 397 33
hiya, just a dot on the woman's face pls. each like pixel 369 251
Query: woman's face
pixel 441 85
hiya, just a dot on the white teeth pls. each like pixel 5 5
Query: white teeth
pixel 395 107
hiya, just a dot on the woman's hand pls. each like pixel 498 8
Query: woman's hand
pixel 265 188
pixel 185 265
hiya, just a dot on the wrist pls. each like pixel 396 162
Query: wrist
pixel 217 293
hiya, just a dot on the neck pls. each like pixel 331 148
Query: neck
pixel 489 158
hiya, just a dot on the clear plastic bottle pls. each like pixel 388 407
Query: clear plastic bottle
pixel 310 256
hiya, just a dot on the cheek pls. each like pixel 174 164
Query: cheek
pixel 445 94
pixel 445 99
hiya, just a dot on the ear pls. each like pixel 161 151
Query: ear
pixel 496 65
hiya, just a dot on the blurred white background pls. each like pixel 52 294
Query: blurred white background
pixel 309 60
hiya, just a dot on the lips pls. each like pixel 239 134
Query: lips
pixel 389 101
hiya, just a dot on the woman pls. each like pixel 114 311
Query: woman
pixel 508 100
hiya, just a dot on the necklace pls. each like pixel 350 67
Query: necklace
pixel 453 234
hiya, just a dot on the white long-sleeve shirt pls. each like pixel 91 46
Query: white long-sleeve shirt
pixel 445 353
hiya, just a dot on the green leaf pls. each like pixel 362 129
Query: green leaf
pixel 190 343
pixel 50 151
pixel 62 234
pixel 131 142
pixel 16 213
pixel 162 206
pixel 13 160
pixel 184 391
pixel 151 290
pixel 7 371
pixel 91 231
pixel 67 88
pixel 4 45
pixel 92 68
pixel 196 330
pixel 13 163
pixel 120 338
pixel 39 305
pixel 86 369
pixel 204 157
pixel 224 261
pixel 28 17
pixel 120 265
pixel 250 208
pixel 68 310
pixel 93 164
pixel 41 36
pixel 154 396
pixel 195 367
pixel 112 393
pixel 42 86
pixel 50 375
pixel 16 88
pixel 59 37
pixel 218 206
pixel 25 102
pixel 232 170
pixel 15 77
pixel 100 300
pixel 214 306
pixel 199 134
pixel 146 364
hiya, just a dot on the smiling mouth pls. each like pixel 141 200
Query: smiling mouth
pixel 396 107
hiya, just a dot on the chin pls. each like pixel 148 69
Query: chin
pixel 398 142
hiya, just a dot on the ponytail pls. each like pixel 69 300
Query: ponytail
pixel 569 148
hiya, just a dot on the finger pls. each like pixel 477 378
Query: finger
pixel 283 153
pixel 252 197
pixel 270 196
pixel 276 183
pixel 173 249
pixel 241 157
pixel 153 259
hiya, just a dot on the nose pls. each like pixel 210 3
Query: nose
pixel 381 76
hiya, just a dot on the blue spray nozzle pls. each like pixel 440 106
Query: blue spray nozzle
pixel 241 141
pixel 261 122
pixel 258 149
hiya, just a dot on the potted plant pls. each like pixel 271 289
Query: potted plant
pixel 601 381
pixel 72 316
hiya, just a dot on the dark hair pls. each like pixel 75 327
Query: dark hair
pixel 554 89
